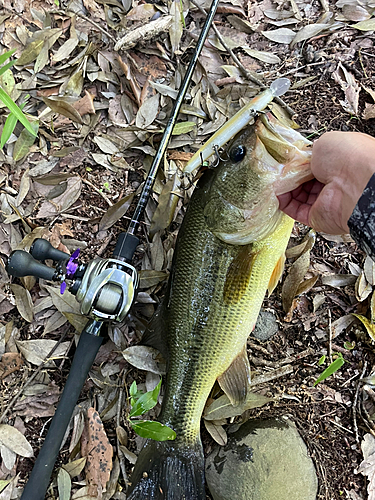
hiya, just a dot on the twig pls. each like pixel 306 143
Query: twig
pixel 278 364
pixel 38 370
pixel 94 24
pixel 267 377
pixel 329 336
pixel 247 73
pixel 340 426
pixel 104 196
pixel 355 403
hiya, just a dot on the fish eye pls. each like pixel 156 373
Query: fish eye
pixel 237 153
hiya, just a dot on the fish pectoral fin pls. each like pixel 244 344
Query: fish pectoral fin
pixel 236 380
pixel 276 274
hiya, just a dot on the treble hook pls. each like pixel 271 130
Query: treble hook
pixel 218 158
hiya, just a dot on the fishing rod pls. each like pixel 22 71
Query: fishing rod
pixel 105 288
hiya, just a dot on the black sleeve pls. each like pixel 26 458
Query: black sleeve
pixel 362 221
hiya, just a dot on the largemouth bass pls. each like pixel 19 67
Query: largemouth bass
pixel 230 249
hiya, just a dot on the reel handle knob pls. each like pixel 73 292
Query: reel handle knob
pixel 22 264
pixel 42 250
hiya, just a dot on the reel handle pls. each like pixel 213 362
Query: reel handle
pixel 42 250
pixel 21 264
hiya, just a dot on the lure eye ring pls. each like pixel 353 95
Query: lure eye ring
pixel 237 153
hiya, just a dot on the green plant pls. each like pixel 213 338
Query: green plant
pixel 141 403
pixel 16 113
pixel 331 369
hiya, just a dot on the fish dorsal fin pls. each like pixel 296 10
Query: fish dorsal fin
pixel 239 274
pixel 236 380
pixel 276 274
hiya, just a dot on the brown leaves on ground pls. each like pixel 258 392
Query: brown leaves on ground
pixel 367 467
pixel 99 452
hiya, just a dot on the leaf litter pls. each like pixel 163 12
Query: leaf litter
pixel 100 95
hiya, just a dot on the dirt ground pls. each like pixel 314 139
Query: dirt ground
pixel 101 112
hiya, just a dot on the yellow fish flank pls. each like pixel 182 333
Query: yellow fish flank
pixel 230 249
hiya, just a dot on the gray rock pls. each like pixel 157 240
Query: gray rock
pixel 263 460
pixel 266 326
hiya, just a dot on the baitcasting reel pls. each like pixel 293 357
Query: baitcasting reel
pixel 105 288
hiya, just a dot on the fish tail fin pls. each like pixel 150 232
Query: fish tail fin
pixel 166 471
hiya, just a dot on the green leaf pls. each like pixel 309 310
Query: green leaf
pixel 133 389
pixel 64 485
pixel 321 360
pixel 146 402
pixel 153 430
pixel 183 128
pixel 331 369
pixel 13 108
pixel 4 483
pixel 6 67
pixel 6 55
pixel 349 345
pixel 9 126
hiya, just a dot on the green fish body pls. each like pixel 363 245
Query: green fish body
pixel 230 249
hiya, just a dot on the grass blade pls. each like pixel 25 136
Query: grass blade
pixel 6 56
pixel 6 67
pixel 9 126
pixel 13 108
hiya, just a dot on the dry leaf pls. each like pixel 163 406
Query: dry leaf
pixel 294 279
pixel 368 25
pixel 62 107
pixel 76 467
pixel 338 280
pixel 176 28
pixel 23 302
pixel 309 31
pixel 24 187
pixel 147 112
pixel 62 202
pixel 367 466
pixel 10 363
pixel 15 441
pixel 362 288
pixel 306 245
pixel 369 270
pixel 369 111
pixel 64 485
pixel 349 85
pixel 149 277
pixel 223 408
pixel 99 452
pixel 145 358
pixel 281 35
pixel 114 213
pixel 36 351
pixel 217 432
pixel 341 324
pixel 266 57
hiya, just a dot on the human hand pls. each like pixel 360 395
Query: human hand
pixel 342 164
